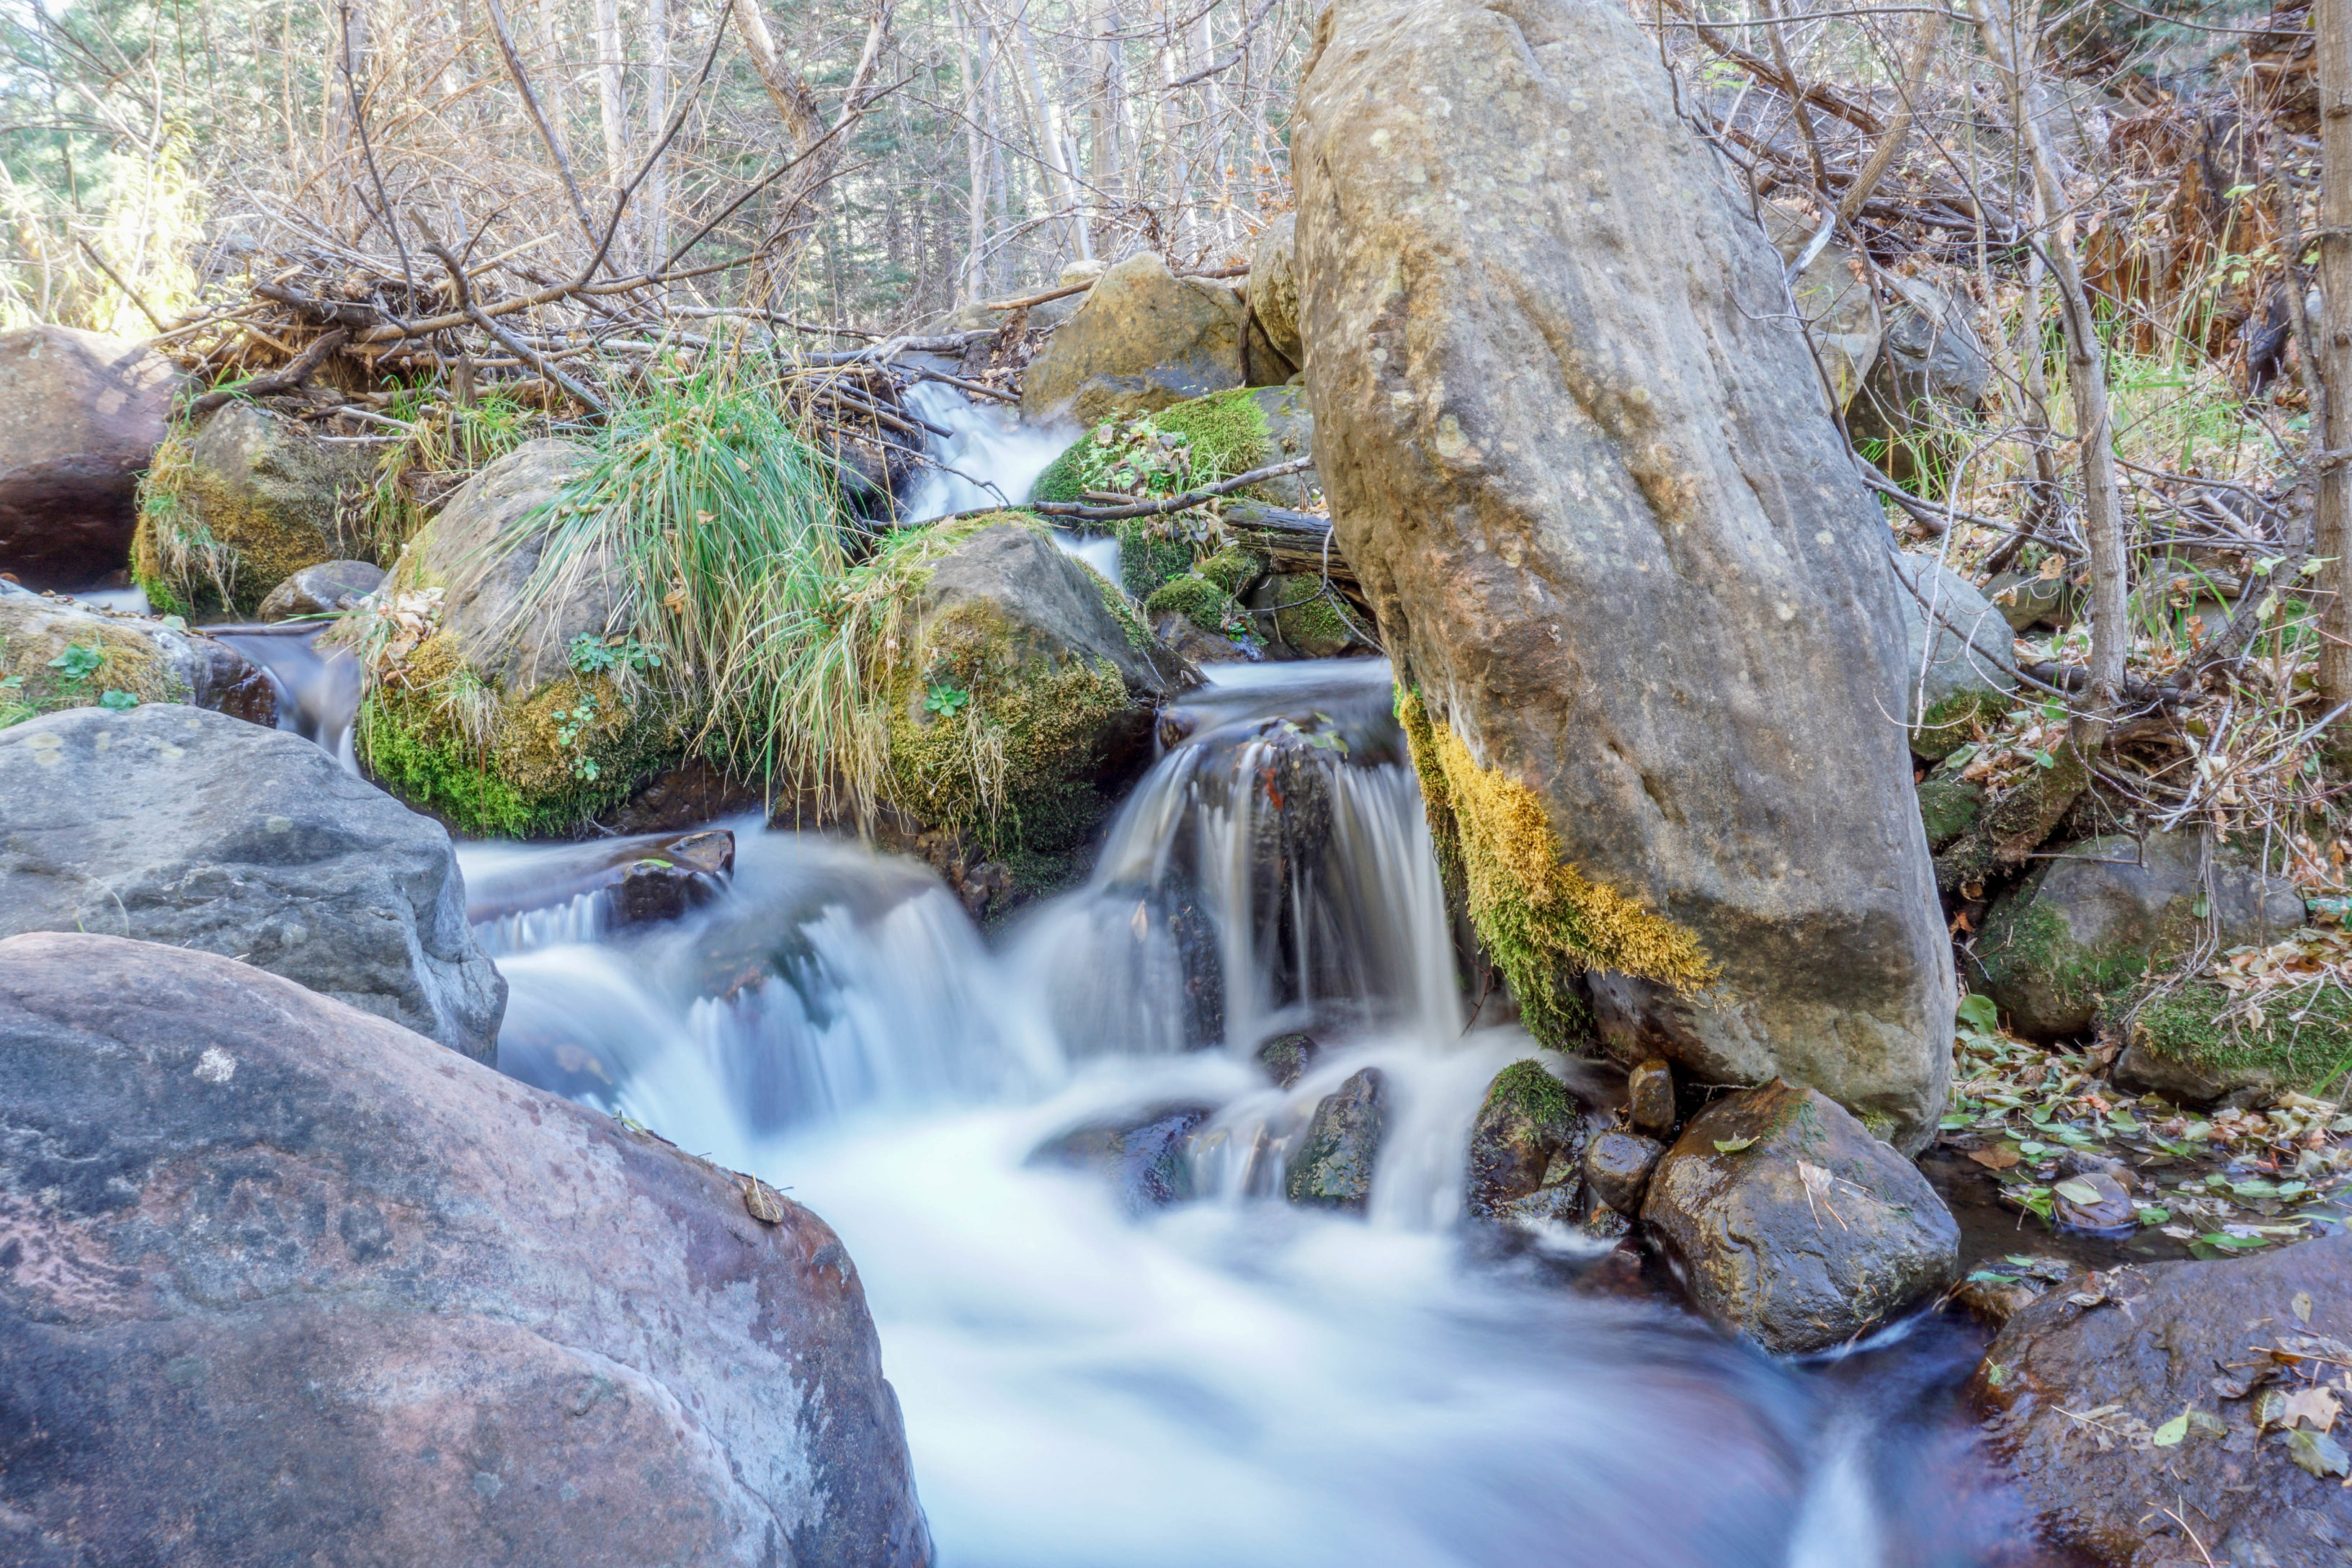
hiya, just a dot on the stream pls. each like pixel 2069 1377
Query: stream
pixel 1090 1378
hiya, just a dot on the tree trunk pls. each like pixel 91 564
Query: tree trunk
pixel 653 214
pixel 2332 20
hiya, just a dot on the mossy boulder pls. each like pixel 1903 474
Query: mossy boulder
pixel 1967 679
pixel 1299 614
pixel 1186 445
pixel 2105 913
pixel 504 716
pixel 233 509
pixel 1333 1165
pixel 1527 1120
pixel 80 414
pixel 1025 691
pixel 1948 804
pixel 2194 1042
pixel 1200 602
pixel 1143 339
pixel 55 654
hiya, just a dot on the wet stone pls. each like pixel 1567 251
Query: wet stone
pixel 1333 1168
pixel 1287 1058
pixel 2092 1200
pixel 683 876
pixel 1617 1167
pixel 1650 1094
pixel 1146 1159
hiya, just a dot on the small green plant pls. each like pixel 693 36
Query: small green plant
pixel 946 699
pixel 592 655
pixel 571 721
pixel 118 701
pixel 79 662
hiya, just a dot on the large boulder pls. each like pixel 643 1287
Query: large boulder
pixel 484 708
pixel 55 654
pixel 1972 671
pixel 278 1277
pixel 2169 1414
pixel 1144 339
pixel 174 825
pixel 2095 917
pixel 80 414
pixel 1646 638
pixel 250 498
pixel 1793 1225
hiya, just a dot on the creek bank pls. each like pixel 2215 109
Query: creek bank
pixel 1737 882
pixel 55 654
pixel 486 1325
pixel 81 415
pixel 170 824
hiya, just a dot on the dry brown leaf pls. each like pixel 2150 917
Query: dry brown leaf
pixel 1999 1159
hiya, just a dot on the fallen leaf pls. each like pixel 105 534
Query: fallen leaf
pixel 2316 1408
pixel 1734 1145
pixel 2303 1305
pixel 2170 1434
pixel 2318 1452
pixel 1996 1159
pixel 761 1202
pixel 2077 1191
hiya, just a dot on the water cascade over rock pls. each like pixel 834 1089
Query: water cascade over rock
pixel 1640 607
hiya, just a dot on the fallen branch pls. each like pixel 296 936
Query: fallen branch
pixel 1022 303
pixel 1162 507
pixel 286 380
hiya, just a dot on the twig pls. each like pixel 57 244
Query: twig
pixel 132 294
pixel 539 118
pixel 285 380
pixel 1171 503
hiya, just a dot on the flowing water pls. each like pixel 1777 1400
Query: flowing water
pixel 1090 1379
pixel 317 689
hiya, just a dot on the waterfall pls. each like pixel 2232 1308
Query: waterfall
pixel 318 693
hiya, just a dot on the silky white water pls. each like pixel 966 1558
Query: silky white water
pixel 1229 1380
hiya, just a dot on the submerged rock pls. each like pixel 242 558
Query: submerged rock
pixel 321 590
pixel 280 1274
pixel 2095 918
pixel 2208 1391
pixel 1715 827
pixel 1146 1159
pixel 55 654
pixel 229 512
pixel 1333 1167
pixel 1142 340
pixel 173 825
pixel 1529 1120
pixel 1793 1225
pixel 1287 1058
pixel 80 414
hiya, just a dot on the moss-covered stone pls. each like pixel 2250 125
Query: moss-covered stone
pixel 1959 719
pixel 1200 602
pixel 2197 1042
pixel 1302 614
pixel 52 658
pixel 534 764
pixel 1233 569
pixel 1948 805
pixel 1541 920
pixel 232 508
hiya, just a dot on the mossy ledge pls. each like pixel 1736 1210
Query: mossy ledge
pixel 1543 920
pixel 2303 1046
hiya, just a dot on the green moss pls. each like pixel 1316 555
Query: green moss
pixel 1533 1093
pixel 1947 808
pixel 1313 625
pixel 1233 569
pixel 437 736
pixel 126 661
pixel 2025 944
pixel 1542 921
pixel 1200 602
pixel 1959 719
pixel 2301 1042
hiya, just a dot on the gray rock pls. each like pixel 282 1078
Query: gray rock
pixel 1650 1100
pixel 1274 288
pixel 1930 368
pixel 2164 1341
pixel 80 414
pixel 283 1279
pixel 1146 1159
pixel 1683 564
pixel 137 657
pixel 478 555
pixel 2094 920
pixel 1793 1226
pixel 1142 340
pixel 1527 1123
pixel 1618 1167
pixel 2029 600
pixel 321 590
pixel 1287 1058
pixel 268 494
pixel 1333 1167
pixel 2092 1201
pixel 1834 298
pixel 173 825
pixel 1046 602
pixel 1971 671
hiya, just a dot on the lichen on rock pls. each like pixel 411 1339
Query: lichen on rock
pixel 1541 918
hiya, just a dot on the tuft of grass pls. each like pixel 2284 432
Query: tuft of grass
pixel 443 440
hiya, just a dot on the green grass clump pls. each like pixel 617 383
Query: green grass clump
pixel 441 440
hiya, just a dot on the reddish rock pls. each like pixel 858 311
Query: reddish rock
pixel 278 1279
pixel 80 414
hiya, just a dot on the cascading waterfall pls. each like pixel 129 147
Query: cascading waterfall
pixel 317 689
pixel 1232 1379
